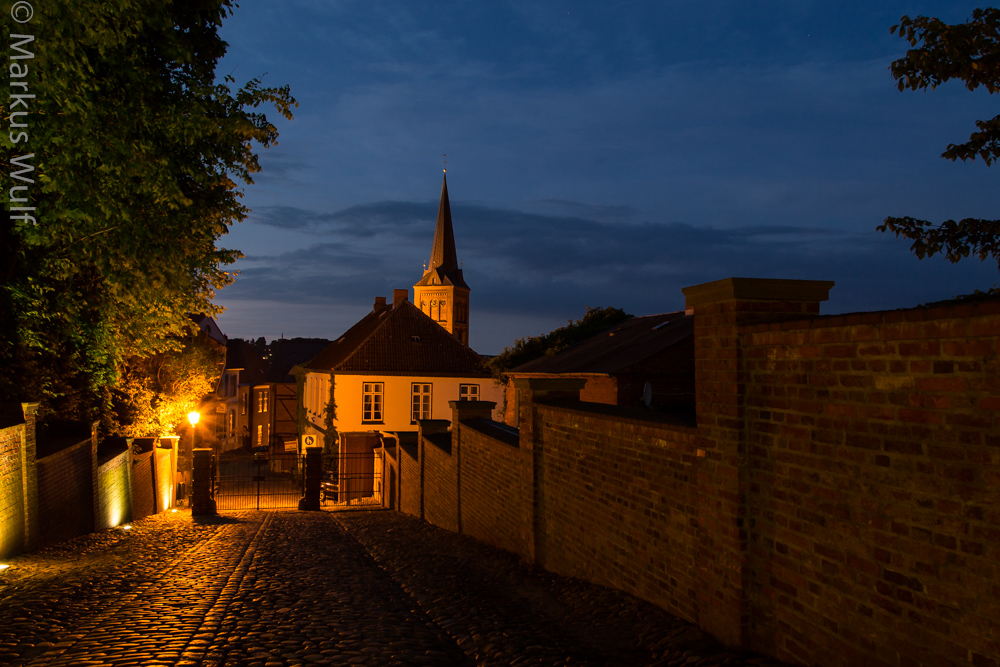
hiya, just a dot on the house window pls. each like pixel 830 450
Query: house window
pixel 232 422
pixel 246 402
pixel 260 435
pixel 468 392
pixel 371 410
pixel 421 405
pixel 262 402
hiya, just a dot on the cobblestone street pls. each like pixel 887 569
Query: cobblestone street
pixel 351 588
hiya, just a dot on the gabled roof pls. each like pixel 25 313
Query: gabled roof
pixel 443 269
pixel 289 352
pixel 399 340
pixel 618 348
pixel 209 326
pixel 242 355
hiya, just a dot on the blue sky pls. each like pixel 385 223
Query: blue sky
pixel 599 153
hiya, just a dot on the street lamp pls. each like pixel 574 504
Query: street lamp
pixel 193 417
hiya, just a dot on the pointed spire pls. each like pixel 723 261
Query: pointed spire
pixel 443 255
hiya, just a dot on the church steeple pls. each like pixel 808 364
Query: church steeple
pixel 443 255
pixel 442 292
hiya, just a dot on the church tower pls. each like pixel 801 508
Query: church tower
pixel 442 293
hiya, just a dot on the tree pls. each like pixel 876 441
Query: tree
pixel 595 320
pixel 969 52
pixel 136 153
pixel 155 393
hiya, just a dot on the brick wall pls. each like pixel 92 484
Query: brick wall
pixel 66 494
pixel 114 494
pixel 164 463
pixel 440 466
pixel 143 502
pixel 493 470
pixel 837 504
pixel 11 491
pixel 619 499
pixel 875 486
pixel 410 481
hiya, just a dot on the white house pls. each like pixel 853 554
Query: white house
pixel 395 366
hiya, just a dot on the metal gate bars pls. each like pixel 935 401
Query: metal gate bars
pixel 262 480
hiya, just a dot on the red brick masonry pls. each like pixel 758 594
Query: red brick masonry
pixel 838 503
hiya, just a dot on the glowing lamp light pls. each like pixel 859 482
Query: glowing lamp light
pixel 3 566
pixel 193 417
pixel 127 526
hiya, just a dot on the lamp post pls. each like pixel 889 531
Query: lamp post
pixel 193 417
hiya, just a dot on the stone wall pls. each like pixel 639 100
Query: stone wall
pixel 68 491
pixel 838 502
pixel 12 514
pixel 114 483
pixel 620 496
pixel 410 481
pixel 874 486
pixel 440 474
pixel 143 498
pixel 492 468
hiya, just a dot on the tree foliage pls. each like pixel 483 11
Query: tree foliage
pixel 594 321
pixel 969 52
pixel 156 392
pixel 138 155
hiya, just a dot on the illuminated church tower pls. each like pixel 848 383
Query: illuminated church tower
pixel 442 293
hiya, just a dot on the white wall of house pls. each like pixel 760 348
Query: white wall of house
pixel 396 393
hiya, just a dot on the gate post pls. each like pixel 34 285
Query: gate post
pixel 314 474
pixel 202 502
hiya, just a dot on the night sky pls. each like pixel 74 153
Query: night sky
pixel 599 154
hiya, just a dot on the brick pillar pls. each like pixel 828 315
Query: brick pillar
pixel 314 475
pixel 720 308
pixel 528 392
pixel 29 476
pixel 202 500
pixel 95 487
pixel 130 480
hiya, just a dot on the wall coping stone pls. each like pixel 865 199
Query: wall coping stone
pixel 498 431
pixel 919 314
pixel 638 416
pixel 729 289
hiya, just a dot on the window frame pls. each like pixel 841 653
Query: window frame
pixel 373 410
pixel 464 386
pixel 426 398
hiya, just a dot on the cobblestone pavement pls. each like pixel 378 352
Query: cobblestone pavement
pixel 350 588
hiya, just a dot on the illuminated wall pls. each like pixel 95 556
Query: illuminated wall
pixel 114 505
pixel 11 491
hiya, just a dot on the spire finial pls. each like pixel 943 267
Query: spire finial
pixel 445 156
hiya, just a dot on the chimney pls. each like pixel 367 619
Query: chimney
pixel 399 296
pixel 379 304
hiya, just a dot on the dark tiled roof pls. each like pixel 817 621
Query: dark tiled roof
pixel 399 340
pixel 287 353
pixel 241 354
pixel 619 347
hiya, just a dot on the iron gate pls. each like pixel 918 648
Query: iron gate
pixel 261 480
pixel 352 479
